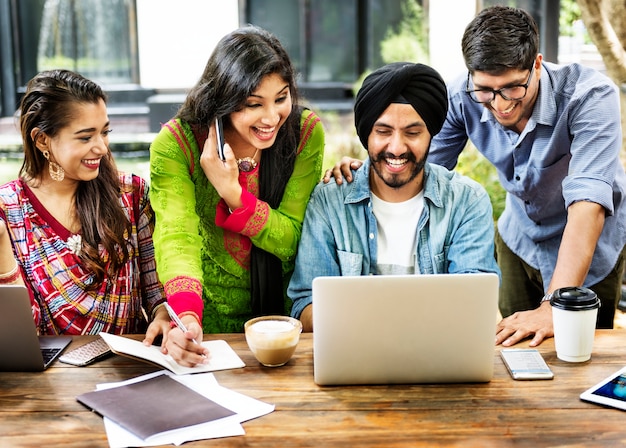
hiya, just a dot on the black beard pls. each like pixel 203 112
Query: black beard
pixel 394 181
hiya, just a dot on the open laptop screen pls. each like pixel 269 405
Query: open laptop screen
pixel 404 328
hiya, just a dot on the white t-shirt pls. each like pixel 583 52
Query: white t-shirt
pixel 397 231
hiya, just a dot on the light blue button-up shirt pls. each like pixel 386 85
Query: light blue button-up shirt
pixel 568 152
pixel 339 234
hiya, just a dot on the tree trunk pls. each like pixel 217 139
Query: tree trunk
pixel 605 21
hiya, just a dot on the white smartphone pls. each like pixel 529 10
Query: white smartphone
pixel 219 132
pixel 611 391
pixel 86 354
pixel 526 364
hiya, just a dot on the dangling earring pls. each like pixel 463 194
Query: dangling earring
pixel 56 171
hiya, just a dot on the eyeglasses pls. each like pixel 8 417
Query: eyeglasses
pixel 511 93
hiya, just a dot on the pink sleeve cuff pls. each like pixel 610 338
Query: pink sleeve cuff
pixel 184 294
pixel 238 219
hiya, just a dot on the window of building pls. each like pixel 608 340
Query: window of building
pixel 329 41
pixel 93 37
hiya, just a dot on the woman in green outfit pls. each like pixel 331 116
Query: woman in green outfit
pixel 227 230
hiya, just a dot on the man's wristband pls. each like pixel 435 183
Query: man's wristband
pixel 547 297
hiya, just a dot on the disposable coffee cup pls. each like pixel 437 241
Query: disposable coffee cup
pixel 574 313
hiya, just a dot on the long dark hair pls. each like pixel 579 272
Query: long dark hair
pixel 235 69
pixel 237 66
pixel 48 105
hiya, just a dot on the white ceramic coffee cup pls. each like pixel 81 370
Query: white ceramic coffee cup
pixel 273 339
pixel 574 314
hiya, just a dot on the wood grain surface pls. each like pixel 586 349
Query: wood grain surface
pixel 40 409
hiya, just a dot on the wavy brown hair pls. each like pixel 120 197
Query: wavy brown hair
pixel 49 104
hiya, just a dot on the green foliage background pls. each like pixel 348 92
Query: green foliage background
pixel 473 164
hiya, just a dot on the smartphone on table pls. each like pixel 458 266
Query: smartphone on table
pixel 526 364
pixel 219 132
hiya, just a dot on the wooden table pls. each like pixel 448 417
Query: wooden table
pixel 39 409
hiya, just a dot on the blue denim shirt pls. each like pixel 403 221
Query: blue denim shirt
pixel 568 152
pixel 339 234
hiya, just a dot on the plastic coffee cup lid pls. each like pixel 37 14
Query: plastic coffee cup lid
pixel 574 298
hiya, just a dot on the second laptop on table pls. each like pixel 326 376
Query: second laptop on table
pixel 385 329
pixel 21 350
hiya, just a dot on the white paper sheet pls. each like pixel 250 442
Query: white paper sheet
pixel 245 408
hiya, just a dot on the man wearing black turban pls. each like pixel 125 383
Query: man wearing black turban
pixel 401 82
pixel 400 215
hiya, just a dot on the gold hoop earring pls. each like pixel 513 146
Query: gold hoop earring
pixel 57 173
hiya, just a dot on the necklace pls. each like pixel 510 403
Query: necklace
pixel 247 163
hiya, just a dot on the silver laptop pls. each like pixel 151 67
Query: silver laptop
pixel 385 329
pixel 21 350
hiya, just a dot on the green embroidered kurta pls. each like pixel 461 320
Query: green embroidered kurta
pixel 194 255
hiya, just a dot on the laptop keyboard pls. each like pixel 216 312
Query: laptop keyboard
pixel 49 354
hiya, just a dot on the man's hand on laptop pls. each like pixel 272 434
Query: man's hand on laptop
pixel 342 169
pixel 523 324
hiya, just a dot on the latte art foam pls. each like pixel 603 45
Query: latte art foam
pixel 274 334
pixel 273 339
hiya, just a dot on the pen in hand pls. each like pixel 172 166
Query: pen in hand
pixel 179 323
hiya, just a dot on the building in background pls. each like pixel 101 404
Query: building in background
pixel 146 53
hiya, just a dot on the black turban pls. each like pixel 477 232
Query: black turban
pixel 417 84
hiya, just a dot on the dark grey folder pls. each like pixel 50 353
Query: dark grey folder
pixel 153 406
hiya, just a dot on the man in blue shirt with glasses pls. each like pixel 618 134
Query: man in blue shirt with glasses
pixel 553 133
